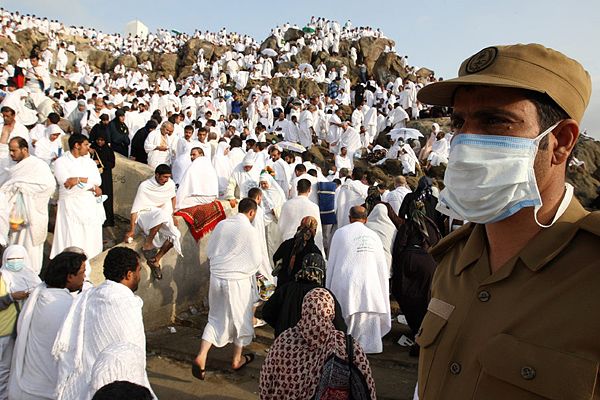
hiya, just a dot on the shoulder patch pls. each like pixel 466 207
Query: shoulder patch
pixel 449 241
pixel 591 223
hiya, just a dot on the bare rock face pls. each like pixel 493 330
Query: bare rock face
pixel 586 179
pixel 128 61
pixel 370 49
pixel 29 38
pixel 304 56
pixel 423 72
pixel 269 43
pixel 14 51
pixel 282 86
pixel 166 64
pixel 311 88
pixel 292 34
pixel 101 60
pixel 388 67
pixel 284 67
pixel 189 52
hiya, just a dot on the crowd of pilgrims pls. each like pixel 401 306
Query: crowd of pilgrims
pixel 300 234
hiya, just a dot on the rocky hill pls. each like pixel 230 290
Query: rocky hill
pixel 381 66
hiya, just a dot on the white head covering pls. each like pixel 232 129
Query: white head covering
pixel 380 223
pixel 53 129
pixel 436 127
pixel 222 164
pixel 273 197
pixel 191 185
pixel 22 280
pixel 249 159
pixel 409 150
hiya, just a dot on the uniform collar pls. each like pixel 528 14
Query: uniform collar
pixel 542 249
pixel 547 244
pixel 473 249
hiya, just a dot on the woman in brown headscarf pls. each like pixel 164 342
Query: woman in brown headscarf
pixel 292 251
pixel 293 367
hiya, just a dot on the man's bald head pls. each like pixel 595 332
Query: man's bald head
pixel 358 214
pixel 399 181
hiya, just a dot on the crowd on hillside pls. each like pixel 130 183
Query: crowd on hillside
pixel 300 230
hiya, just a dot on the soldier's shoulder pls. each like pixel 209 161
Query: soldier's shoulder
pixel 450 241
pixel 591 223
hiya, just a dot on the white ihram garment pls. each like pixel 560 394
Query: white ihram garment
pixel 351 193
pixel 292 213
pixel 199 185
pixel 234 257
pixel 357 274
pixel 154 206
pixel 34 369
pixel 380 223
pixel 32 178
pixel 100 317
pixel 79 216
pixel 396 197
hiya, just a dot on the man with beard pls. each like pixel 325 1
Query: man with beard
pixel 112 316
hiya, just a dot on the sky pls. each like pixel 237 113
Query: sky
pixel 437 34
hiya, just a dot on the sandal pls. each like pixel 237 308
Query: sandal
pixel 154 268
pixel 198 372
pixel 248 358
pixel 150 254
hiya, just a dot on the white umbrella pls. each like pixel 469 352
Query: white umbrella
pixel 291 146
pixel 239 47
pixel 405 133
pixel 306 67
pixel 269 52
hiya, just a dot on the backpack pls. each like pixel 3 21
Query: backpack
pixel 342 380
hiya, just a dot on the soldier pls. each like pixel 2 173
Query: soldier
pixel 514 302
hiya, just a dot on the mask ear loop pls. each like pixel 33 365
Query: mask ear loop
pixel 561 209
pixel 568 194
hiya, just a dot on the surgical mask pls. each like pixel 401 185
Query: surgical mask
pixel 14 265
pixel 489 178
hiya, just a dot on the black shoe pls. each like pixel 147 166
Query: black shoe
pixel 414 350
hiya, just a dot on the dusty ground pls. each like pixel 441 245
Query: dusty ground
pixel 170 355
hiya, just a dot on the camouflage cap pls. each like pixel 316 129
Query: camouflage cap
pixel 525 66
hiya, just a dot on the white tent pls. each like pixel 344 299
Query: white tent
pixel 136 27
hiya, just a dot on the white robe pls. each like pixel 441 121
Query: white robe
pixel 234 257
pixel 282 175
pixel 79 216
pixel 199 184
pixel 34 370
pixel 153 205
pixel 183 161
pixel 292 213
pixel 32 178
pixel 351 193
pixel 243 180
pixel 396 197
pixel 380 223
pixel 363 293
pixel 265 267
pixel 305 133
pixel 99 317
pixel 157 157
pixel 222 164
pixel 313 195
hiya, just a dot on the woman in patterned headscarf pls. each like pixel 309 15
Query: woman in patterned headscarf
pixel 292 369
pixel 292 251
pixel 284 308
